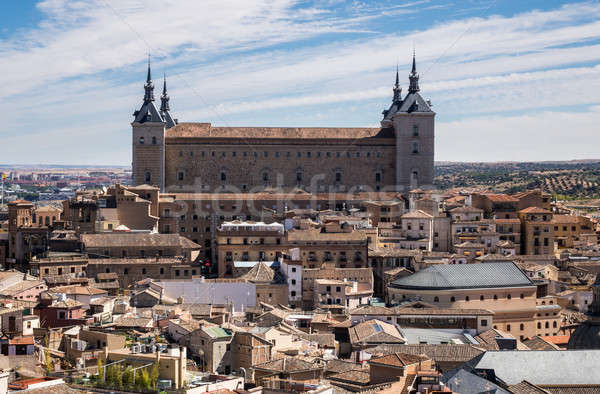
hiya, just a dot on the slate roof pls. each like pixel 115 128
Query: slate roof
pixel 551 367
pixel 464 382
pixel 465 276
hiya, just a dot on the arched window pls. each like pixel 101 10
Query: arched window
pixel 554 324
pixel 495 297
pixel 481 298
pixel 148 177
pixel 522 296
pixel 223 176
pixel 415 147
pixel 522 327
pixel 142 140
pixel 436 299
pixel 547 325
pixel 539 325
pixel 508 297
pixel 265 176
pixel 508 327
pixel 467 298
pixel 452 299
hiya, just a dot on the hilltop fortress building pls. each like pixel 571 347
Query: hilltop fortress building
pixel 197 157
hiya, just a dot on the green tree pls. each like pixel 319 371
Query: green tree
pixel 142 379
pixel 127 378
pixel 100 372
pixel 47 357
pixel 154 372
pixel 118 371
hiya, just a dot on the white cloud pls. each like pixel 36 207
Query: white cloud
pixel 70 78
pixel 547 135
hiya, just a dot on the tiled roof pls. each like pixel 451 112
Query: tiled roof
pixel 466 209
pixel 465 276
pixel 136 240
pixel 438 353
pixel 535 210
pixel 78 290
pixel 538 343
pixel 354 376
pixel 287 364
pixel 501 198
pixel 526 388
pixel 418 214
pixel 261 272
pixel 489 339
pixel 319 236
pixel 375 331
pixel 398 359
pixel 206 130
pixel 68 303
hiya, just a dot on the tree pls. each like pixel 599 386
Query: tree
pixel 100 371
pixel 154 372
pixel 128 378
pixel 118 371
pixel 47 357
pixel 142 380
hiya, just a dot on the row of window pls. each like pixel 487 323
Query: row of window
pixel 481 297
pixel 267 154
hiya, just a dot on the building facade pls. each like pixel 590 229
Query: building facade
pixel 198 157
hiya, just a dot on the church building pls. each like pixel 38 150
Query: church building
pixel 189 157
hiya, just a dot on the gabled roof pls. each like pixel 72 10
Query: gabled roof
pixel 375 331
pixel 465 276
pixel 418 214
pixel 535 210
pixel 287 364
pixel 398 359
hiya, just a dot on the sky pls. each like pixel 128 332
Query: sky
pixel 509 80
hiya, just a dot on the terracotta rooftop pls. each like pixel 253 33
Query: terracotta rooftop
pixel 206 130
pixel 136 240
pixel 535 210
pixel 398 359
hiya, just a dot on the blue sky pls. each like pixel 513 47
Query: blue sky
pixel 509 80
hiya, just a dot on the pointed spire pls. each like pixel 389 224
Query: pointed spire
pixel 149 77
pixel 397 88
pixel 164 98
pixel 148 87
pixel 413 76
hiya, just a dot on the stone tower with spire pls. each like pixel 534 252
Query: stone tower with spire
pixel 413 123
pixel 149 128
